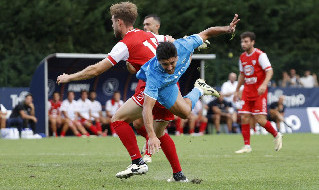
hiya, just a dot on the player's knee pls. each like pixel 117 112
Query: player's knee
pixel 138 124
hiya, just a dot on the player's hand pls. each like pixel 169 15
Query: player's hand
pixel 65 78
pixel 154 144
pixel 169 38
pixel 130 68
pixel 232 25
pixel 34 119
pixel 262 89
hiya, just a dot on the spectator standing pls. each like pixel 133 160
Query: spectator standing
pixel 294 79
pixel 112 106
pixel 308 80
pixel 23 115
pixel 285 81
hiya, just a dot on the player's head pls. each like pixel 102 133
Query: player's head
pixel 56 96
pixel 152 23
pixel 232 77
pixel 117 96
pixel 124 15
pixel 247 40
pixel 84 94
pixel 70 96
pixel 92 95
pixel 166 54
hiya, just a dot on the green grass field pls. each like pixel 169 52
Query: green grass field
pixel 79 163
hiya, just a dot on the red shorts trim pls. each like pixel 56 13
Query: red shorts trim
pixel 160 113
pixel 255 107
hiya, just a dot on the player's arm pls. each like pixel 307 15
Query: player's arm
pixel 263 87
pixel 217 30
pixel 87 73
pixel 26 116
pixel 154 143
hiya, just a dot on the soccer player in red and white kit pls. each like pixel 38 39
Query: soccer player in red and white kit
pixel 255 74
pixel 55 119
pixel 136 48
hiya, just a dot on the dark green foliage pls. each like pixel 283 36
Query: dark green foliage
pixel 31 30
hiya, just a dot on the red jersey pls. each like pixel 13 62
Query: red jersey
pixel 137 47
pixel 55 107
pixel 253 67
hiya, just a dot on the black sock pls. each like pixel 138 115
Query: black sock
pixel 138 161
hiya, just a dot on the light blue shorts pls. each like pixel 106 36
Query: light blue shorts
pixel 167 96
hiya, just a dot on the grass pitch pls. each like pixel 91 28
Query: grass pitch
pixel 78 163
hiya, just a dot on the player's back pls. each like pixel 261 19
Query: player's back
pixel 137 47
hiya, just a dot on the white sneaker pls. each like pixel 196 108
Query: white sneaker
pixel 278 142
pixel 245 149
pixel 147 158
pixel 131 170
pixel 208 90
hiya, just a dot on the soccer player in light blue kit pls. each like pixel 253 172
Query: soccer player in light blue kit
pixel 162 72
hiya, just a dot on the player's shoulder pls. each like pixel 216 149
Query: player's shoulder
pixel 135 34
pixel 258 51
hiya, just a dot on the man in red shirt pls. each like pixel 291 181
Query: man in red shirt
pixel 136 48
pixel 255 74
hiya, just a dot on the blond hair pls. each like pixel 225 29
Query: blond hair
pixel 125 11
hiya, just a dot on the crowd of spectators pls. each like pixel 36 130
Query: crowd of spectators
pixel 292 79
pixel 82 117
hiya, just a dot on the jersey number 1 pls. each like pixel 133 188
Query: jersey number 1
pixel 150 46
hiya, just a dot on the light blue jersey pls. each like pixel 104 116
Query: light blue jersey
pixel 162 86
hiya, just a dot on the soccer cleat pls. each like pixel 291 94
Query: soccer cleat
pixel 147 158
pixel 244 150
pixel 178 177
pixel 278 142
pixel 208 90
pixel 133 169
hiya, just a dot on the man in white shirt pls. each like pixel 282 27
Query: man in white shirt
pixel 69 110
pixel 84 106
pixel 229 87
pixel 112 106
pixel 96 113
pixel 309 81
pixel 228 90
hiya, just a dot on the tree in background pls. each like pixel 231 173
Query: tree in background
pixel 32 29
